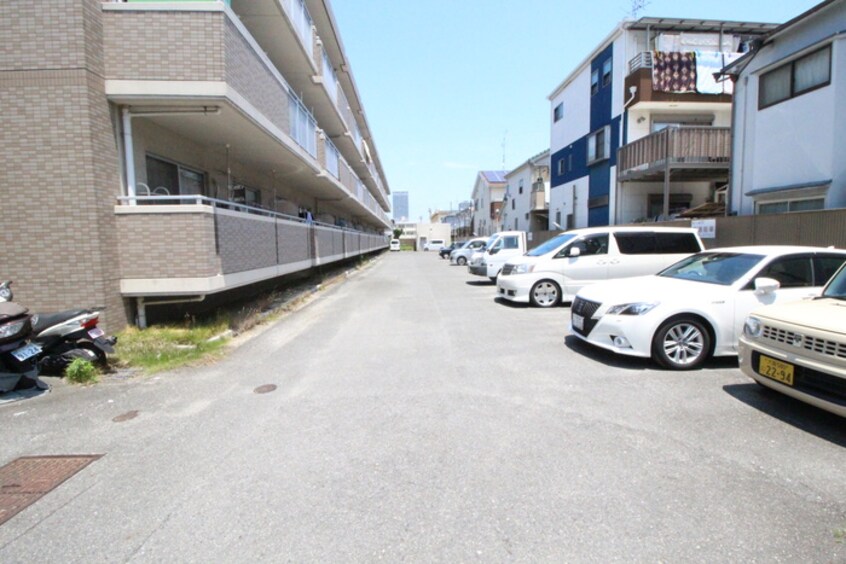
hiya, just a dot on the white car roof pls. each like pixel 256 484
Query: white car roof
pixel 630 229
pixel 774 250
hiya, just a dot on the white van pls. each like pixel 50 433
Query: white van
pixel 500 248
pixel 434 245
pixel 395 244
pixel 553 272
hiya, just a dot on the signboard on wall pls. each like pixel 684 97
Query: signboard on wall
pixel 707 228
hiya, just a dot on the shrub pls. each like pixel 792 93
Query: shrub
pixel 81 371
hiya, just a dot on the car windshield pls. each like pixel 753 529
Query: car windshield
pixel 550 245
pixel 837 286
pixel 713 268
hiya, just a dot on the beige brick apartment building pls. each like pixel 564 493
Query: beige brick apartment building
pixel 159 151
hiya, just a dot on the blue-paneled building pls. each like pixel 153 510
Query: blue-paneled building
pixel 630 142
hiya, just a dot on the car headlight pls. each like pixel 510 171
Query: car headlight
pixel 638 308
pixel 522 268
pixel 753 327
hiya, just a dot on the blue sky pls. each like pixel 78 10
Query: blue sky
pixel 444 82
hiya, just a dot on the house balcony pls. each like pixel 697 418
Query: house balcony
pixel 192 246
pixel 686 153
pixel 198 73
pixel 640 77
pixel 537 200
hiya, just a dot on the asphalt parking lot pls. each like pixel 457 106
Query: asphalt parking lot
pixel 416 418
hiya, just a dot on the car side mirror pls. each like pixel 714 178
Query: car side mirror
pixel 493 251
pixel 765 285
pixel 574 252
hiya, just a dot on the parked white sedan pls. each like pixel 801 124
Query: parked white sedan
pixel 695 309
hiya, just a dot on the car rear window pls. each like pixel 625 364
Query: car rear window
pixel 656 243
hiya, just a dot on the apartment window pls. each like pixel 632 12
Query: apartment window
pixel 594 82
pixel 515 224
pixel 520 188
pixel 558 219
pixel 787 206
pixel 561 168
pixel 513 202
pixel 570 161
pixel 599 145
pixel 795 78
pixel 606 72
pixel 558 112
pixel 166 178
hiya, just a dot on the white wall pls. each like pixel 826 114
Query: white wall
pixel 576 121
pixel 795 141
pixel 562 199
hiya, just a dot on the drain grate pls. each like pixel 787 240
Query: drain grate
pixel 25 480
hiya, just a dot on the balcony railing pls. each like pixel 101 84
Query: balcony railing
pixel 704 146
pixel 301 21
pixel 538 200
pixel 642 60
pixel 199 240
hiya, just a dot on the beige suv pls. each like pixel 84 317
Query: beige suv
pixel 799 348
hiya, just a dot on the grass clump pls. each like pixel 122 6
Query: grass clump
pixel 81 371
pixel 164 347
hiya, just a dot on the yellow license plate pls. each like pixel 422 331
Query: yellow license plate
pixel 776 369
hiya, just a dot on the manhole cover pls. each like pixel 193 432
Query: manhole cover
pixel 265 389
pixel 126 416
pixel 25 480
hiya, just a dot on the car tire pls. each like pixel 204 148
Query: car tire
pixel 545 293
pixel 461 261
pixel 682 343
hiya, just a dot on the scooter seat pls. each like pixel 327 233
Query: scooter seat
pixel 41 321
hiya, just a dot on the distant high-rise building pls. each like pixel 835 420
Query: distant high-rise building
pixel 400 206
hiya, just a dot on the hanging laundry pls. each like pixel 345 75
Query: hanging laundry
pixel 708 63
pixel 673 72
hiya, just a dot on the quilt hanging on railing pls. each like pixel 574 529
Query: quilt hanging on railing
pixel 674 71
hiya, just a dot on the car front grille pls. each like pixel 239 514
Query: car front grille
pixel 813 382
pixel 507 269
pixel 813 344
pixel 586 309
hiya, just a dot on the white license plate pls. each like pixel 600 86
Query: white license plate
pixel 27 351
pixel 578 321
pixel 96 332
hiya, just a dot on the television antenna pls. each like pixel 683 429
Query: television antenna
pixel 638 6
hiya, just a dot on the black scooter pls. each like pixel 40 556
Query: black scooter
pixel 65 336
pixel 18 355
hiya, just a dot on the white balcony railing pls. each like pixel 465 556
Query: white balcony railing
pixel 642 60
pixel 302 22
pixel 330 79
pixel 303 126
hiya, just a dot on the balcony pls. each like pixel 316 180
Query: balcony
pixel 537 200
pixel 640 77
pixel 688 153
pixel 199 74
pixel 194 245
